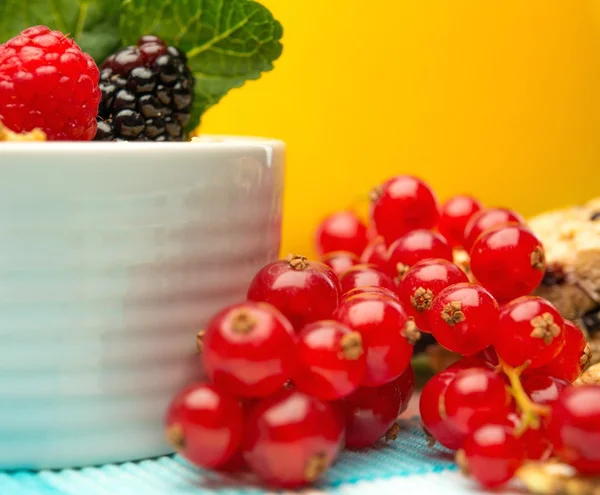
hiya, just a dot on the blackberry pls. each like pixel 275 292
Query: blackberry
pixel 147 93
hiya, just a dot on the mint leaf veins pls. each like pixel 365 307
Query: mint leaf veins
pixel 94 24
pixel 227 42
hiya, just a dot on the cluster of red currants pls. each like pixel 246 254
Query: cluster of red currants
pixel 318 357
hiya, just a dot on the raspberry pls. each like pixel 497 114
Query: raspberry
pixel 147 93
pixel 47 82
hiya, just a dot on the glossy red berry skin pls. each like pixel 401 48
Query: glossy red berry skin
pixel 493 454
pixel 530 329
pixel 508 261
pixel 406 384
pixel 537 445
pixel 342 231
pixel 375 253
pixel 431 411
pixel 249 350
pixel 464 318
pixel 387 333
pixel 304 291
pixel 455 214
pixel 569 363
pixel 204 424
pixel 543 389
pixel 489 355
pixel 291 439
pixel 422 283
pixel 331 360
pixel 535 442
pixel 365 276
pixel 402 204
pixel 475 397
pixel 48 82
pixel 371 289
pixel 370 413
pixel 413 247
pixel 340 261
pixel 485 220
pixel 468 362
pixel 575 428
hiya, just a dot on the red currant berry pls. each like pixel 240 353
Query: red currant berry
pixel 573 358
pixel 304 291
pixel 331 360
pixel 493 454
pixel 543 389
pixel 488 219
pixel 537 445
pixel 291 439
pixel 371 289
pixel 469 362
pixel 508 261
pixel 406 384
pixel 340 261
pixel 535 441
pixel 530 330
pixel 413 247
pixel 370 413
pixel 402 204
pixel 455 214
pixel 375 253
pixel 475 397
pixel 363 276
pixel 489 356
pixel 431 410
pixel 575 428
pixel 204 425
pixel 387 332
pixel 422 283
pixel 249 349
pixel 464 318
pixel 342 231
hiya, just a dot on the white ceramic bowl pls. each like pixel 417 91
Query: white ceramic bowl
pixel 112 257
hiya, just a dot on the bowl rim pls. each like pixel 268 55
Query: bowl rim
pixel 207 142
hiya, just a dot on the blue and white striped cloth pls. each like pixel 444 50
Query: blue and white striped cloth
pixel 406 466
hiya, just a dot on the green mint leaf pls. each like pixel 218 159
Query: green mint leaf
pixel 93 24
pixel 227 41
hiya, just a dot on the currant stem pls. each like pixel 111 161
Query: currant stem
pixel 530 411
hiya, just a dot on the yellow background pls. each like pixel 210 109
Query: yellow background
pixel 500 98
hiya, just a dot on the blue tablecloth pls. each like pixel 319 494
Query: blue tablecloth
pixel 377 468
